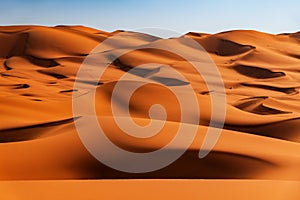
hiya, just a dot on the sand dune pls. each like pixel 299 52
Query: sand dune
pixel 261 135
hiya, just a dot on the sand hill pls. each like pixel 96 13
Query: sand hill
pixel 260 140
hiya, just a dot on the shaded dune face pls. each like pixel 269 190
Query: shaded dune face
pixel 38 139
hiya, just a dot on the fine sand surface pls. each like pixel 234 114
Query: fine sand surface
pixel 257 154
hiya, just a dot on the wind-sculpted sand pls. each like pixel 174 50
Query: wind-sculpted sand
pixel 258 148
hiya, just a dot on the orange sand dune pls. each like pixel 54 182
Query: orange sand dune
pixel 258 149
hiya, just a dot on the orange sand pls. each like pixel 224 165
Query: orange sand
pixel 39 141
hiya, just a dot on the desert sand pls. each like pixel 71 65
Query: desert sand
pixel 256 156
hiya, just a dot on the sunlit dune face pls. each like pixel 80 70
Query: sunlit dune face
pixel 140 111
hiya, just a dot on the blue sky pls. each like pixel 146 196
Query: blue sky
pixel 182 16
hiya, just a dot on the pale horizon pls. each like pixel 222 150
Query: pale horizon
pixel 182 17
